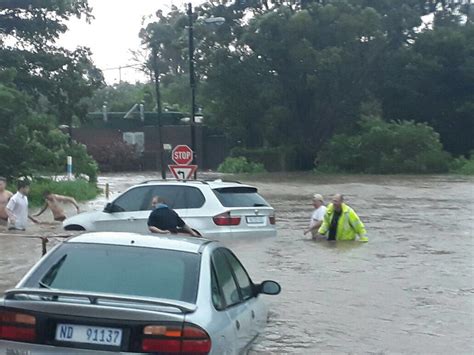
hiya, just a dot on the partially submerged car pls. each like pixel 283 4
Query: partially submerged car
pixel 214 209
pixel 132 293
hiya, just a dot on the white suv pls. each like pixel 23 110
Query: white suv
pixel 214 209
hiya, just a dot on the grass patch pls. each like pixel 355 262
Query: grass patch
pixel 80 189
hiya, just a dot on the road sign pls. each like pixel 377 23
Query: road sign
pixel 182 155
pixel 182 172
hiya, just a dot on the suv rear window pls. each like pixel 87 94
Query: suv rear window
pixel 123 270
pixel 240 197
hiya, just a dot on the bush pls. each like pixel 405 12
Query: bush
pixel 463 166
pixel 387 147
pixel 80 189
pixel 118 156
pixel 236 165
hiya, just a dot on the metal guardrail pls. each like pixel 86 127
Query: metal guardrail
pixel 94 297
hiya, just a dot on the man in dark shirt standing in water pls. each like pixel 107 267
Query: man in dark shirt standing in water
pixel 164 220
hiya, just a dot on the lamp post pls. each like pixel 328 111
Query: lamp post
pixel 192 73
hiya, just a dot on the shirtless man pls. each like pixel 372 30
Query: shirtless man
pixel 5 196
pixel 52 202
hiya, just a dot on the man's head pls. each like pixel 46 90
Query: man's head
pixel 3 184
pixel 337 201
pixel 47 195
pixel 156 200
pixel 318 200
pixel 23 186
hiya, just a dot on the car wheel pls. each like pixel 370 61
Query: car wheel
pixel 74 227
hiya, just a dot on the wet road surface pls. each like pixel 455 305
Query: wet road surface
pixel 409 290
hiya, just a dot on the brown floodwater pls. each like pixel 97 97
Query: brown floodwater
pixel 409 290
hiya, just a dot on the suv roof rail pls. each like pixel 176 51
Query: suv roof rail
pixel 228 181
pixel 173 180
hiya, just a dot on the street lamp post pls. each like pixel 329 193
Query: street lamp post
pixel 192 82
pixel 192 74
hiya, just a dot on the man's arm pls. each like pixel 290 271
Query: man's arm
pixel 67 199
pixel 9 209
pixel 154 229
pixel 324 226
pixel 315 226
pixel 45 207
pixel 358 226
pixel 185 227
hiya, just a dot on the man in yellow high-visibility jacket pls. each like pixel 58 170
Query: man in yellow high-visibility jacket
pixel 341 222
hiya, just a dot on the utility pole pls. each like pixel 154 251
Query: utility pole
pixel 192 82
pixel 158 110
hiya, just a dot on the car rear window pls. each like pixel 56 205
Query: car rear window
pixel 240 197
pixel 124 270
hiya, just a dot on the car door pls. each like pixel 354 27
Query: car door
pixel 232 303
pixel 256 311
pixel 129 212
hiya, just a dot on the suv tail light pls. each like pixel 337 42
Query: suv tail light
pixel 190 339
pixel 17 326
pixel 224 219
pixel 272 219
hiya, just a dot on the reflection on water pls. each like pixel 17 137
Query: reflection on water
pixel 409 290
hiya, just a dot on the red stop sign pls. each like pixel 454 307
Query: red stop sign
pixel 182 155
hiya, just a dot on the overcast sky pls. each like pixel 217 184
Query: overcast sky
pixel 113 32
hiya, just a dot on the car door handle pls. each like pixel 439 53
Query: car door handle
pixel 237 324
pixel 253 314
pixel 131 218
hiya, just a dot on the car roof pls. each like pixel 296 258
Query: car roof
pixel 214 184
pixel 190 245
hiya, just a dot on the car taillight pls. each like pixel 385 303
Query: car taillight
pixel 225 219
pixel 17 326
pixel 190 339
pixel 272 219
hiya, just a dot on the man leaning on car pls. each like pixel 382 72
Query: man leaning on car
pixel 164 220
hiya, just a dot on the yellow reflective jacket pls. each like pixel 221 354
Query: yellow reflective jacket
pixel 348 226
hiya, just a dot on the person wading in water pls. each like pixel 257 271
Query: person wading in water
pixel 341 222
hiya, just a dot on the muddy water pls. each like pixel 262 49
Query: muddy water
pixel 409 290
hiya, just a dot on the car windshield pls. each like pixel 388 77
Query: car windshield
pixel 240 197
pixel 123 270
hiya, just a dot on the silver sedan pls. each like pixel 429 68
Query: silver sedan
pixel 132 293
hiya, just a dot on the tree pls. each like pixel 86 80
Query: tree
pixel 42 85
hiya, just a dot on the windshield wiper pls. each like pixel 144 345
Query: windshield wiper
pixel 259 205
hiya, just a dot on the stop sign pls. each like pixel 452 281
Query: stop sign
pixel 182 155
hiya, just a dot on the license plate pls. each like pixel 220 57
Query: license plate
pixel 88 334
pixel 255 220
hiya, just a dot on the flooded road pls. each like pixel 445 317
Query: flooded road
pixel 409 290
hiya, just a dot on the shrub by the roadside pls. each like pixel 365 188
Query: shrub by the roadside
pixel 463 166
pixel 236 165
pixel 80 189
pixel 118 156
pixel 386 148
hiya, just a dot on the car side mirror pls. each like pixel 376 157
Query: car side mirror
pixel 109 207
pixel 269 288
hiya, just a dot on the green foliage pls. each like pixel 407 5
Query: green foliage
pixel 463 166
pixel 236 165
pixel 384 148
pixel 297 73
pixel 80 189
pixel 41 86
